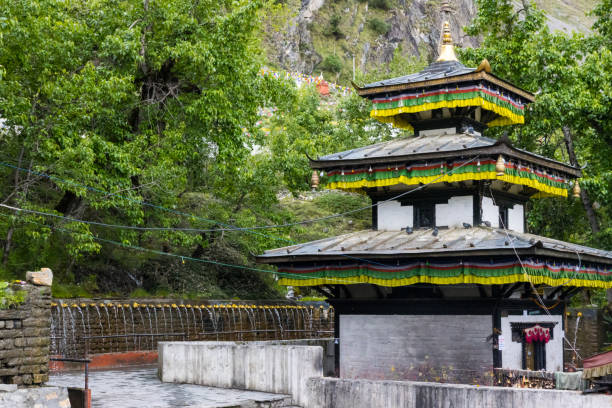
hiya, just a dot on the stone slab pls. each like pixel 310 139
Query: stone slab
pixel 43 397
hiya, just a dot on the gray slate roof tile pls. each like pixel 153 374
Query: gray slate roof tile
pixel 481 238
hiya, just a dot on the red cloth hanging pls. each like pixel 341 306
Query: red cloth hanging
pixel 537 333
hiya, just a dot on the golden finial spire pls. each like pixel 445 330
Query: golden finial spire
pixel 447 50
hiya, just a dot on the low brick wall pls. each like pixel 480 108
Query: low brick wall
pixel 589 337
pixel 24 338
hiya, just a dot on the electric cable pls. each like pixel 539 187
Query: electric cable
pixel 190 215
pixel 228 226
pixel 541 302
pixel 157 252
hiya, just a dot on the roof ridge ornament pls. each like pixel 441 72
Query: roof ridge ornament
pixel 484 66
pixel 447 49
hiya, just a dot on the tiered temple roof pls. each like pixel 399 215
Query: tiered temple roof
pixel 448 106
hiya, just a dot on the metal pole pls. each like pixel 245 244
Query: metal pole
pixel 86 375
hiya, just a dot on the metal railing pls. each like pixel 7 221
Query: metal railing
pixel 86 361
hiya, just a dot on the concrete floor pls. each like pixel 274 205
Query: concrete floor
pixel 140 387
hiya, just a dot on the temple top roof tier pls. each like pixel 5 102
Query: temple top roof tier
pixel 444 92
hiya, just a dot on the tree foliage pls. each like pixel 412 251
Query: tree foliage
pixel 146 102
pixel 571 77
pixel 144 114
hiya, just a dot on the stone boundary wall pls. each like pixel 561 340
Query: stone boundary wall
pixel 345 393
pixel 24 338
pixel 82 327
pixel 590 337
pixel 261 366
pixel 41 397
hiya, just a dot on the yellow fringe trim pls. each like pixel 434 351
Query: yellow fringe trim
pixel 508 117
pixel 494 280
pixel 597 371
pixel 449 178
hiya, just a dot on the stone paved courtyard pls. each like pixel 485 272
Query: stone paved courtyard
pixel 140 387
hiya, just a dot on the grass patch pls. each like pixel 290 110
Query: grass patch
pixel 10 297
pixel 69 290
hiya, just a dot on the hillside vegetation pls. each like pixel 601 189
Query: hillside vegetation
pixel 324 36
pixel 134 159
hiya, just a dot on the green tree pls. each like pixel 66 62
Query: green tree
pixel 152 101
pixel 570 119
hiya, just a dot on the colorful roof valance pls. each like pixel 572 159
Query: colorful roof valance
pixel 390 109
pixel 537 333
pixel 439 172
pixel 503 272
pixel 597 366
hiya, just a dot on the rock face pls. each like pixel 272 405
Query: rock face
pixel 44 397
pixel 44 277
pixel 414 25
pixel 371 30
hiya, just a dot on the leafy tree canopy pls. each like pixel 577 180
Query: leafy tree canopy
pixel 145 101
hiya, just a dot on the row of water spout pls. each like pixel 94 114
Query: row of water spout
pixel 84 328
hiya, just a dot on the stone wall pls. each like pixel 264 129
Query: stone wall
pixel 589 338
pixel 24 338
pixel 41 397
pixel 82 327
pixel 439 348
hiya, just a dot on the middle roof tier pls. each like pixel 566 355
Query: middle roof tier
pixel 445 156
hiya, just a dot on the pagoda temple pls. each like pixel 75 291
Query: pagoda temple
pixel 448 284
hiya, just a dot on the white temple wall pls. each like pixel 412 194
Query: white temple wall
pixel 512 354
pixel 516 218
pixel 457 211
pixel 392 216
pixel 490 212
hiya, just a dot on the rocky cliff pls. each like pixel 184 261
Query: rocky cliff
pixel 331 35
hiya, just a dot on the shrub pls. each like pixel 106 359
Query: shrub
pixel 333 28
pixel 379 26
pixel 10 297
pixel 380 4
pixel 331 63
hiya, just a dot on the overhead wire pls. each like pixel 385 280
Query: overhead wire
pixel 157 252
pixel 229 228
pixel 540 302
pixel 182 257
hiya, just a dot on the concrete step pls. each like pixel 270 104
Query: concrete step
pixel 277 401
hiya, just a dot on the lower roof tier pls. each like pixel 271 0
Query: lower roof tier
pixel 476 255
